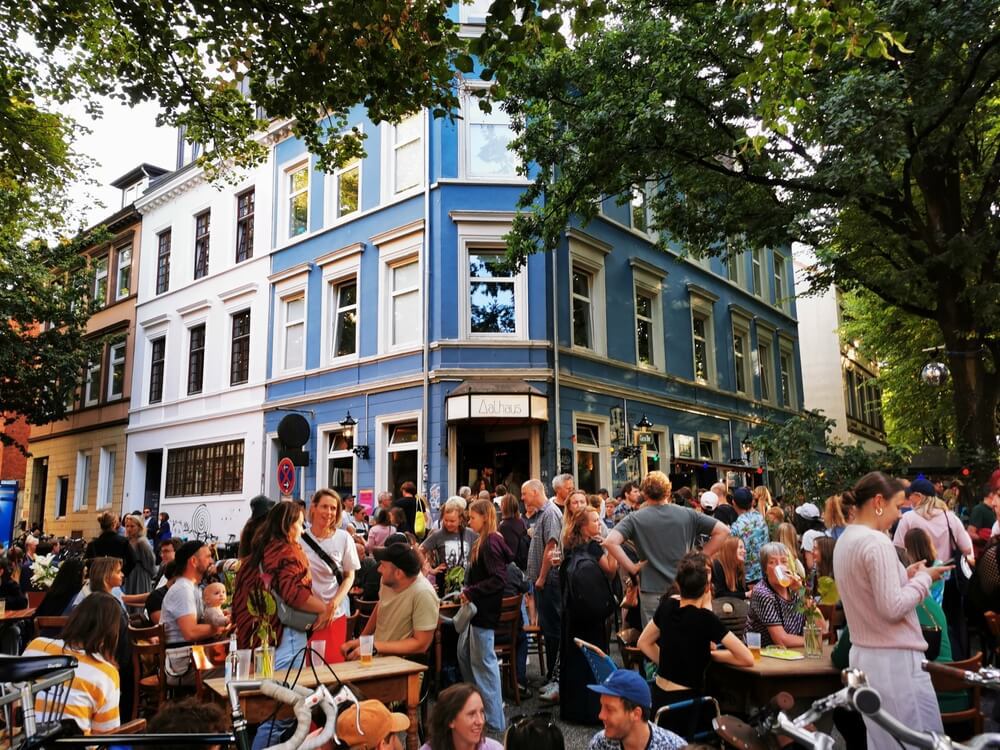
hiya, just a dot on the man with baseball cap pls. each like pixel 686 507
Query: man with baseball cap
pixel 625 707
pixel 378 727
pixel 406 615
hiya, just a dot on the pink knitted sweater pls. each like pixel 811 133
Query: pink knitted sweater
pixel 879 601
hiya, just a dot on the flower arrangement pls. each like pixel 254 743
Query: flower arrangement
pixel 262 607
pixel 43 571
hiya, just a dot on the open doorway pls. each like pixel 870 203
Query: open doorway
pixel 489 456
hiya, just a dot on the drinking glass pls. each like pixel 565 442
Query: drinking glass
pixel 753 643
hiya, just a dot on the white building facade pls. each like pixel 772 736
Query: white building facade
pixel 195 434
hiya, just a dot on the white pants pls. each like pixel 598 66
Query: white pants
pixel 906 690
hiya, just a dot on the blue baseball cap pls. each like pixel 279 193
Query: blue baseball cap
pixel 626 684
pixel 922 486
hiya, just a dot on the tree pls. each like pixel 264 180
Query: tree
pixel 915 413
pixel 868 130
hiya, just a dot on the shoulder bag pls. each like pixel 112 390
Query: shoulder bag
pixel 932 634
pixel 296 619
pixel 322 554
pixel 962 573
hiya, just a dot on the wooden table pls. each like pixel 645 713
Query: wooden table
pixel 18 614
pixel 388 679
pixel 804 679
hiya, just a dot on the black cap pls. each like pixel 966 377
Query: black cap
pixel 401 555
pixel 187 550
pixel 260 506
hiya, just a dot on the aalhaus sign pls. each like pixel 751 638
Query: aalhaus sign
pixel 497 406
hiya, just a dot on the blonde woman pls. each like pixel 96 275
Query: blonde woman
pixel 834 517
pixel 762 499
pixel 484 584
pixel 788 537
pixel 140 578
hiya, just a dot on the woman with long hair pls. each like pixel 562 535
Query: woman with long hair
pixel 762 499
pixel 140 578
pixel 277 563
pixel 834 517
pixel 91 635
pixel 880 599
pixel 458 720
pixel 66 585
pixel 484 584
pixel 514 530
pixel 581 537
pixel 790 538
pixel 919 546
pixel 380 531
pixel 729 571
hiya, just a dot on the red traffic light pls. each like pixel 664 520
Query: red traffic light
pixel 760 471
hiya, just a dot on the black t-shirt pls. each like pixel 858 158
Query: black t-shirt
pixel 726 513
pixel 687 637
pixel 154 602
pixel 409 506
pixel 719 586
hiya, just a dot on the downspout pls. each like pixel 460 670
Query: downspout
pixel 425 427
pixel 555 361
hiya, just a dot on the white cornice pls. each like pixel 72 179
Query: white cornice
pixel 171 191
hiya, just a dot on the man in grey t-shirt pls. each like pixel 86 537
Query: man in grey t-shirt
pixel 183 609
pixel 542 572
pixel 662 533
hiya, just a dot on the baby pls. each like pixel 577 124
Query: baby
pixel 213 596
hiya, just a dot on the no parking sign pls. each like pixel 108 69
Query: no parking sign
pixel 286 476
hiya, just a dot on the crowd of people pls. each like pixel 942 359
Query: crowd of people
pixel 693 574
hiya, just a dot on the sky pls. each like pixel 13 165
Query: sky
pixel 122 139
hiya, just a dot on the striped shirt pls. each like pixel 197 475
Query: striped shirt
pixel 94 692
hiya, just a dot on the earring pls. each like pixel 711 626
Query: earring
pixel 878 511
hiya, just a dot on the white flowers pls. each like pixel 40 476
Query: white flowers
pixel 43 571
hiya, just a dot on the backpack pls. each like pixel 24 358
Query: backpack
pixel 521 553
pixel 588 591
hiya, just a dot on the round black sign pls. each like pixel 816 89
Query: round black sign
pixel 293 430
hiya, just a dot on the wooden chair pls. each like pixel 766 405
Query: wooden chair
pixel 54 624
pixel 632 657
pixel 35 598
pixel 365 608
pixel 151 644
pixel 834 617
pixel 136 726
pixel 945 683
pixel 536 645
pixel 510 624
pixel 993 625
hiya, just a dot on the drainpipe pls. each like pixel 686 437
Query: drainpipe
pixel 555 359
pixel 426 304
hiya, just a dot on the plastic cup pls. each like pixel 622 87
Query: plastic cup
pixel 244 657
pixel 3 607
pixel 367 649
pixel 783 575
pixel 753 643
pixel 317 651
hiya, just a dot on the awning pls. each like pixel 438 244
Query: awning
pixel 492 399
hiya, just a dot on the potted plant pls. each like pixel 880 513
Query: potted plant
pixel 43 572
pixel 261 606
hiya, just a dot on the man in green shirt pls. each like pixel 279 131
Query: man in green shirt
pixel 982 518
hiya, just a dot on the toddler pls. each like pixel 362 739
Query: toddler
pixel 213 597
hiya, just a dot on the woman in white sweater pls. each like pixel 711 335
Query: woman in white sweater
pixel 880 598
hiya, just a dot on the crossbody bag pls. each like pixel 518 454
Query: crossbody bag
pixel 322 554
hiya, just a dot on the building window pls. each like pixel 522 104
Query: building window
pixel 405 313
pixel 239 366
pixel 489 135
pixel 163 262
pixel 99 287
pixel 348 182
pixel 474 11
pixel 735 269
pixel 766 371
pixel 116 362
pixel 196 359
pixel 92 386
pixel 702 336
pixel 758 284
pixel 244 225
pixel 124 265
pixel 407 157
pixel 345 320
pixel 583 321
pixel 294 312
pixel 588 457
pixel 709 448
pixel 62 496
pixel 492 294
pixel 850 394
pixel 82 480
pixel 106 478
pixel 201 236
pixel 298 201
pixel 214 469
pixel 644 329
pixel 158 350
pixel 787 379
pixel 639 212
pixel 781 295
pixel 403 455
pixel 741 358
pixel 340 467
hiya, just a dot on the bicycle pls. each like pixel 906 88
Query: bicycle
pixel 856 695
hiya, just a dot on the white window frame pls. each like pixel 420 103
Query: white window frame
pixel 663 442
pixel 106 478
pixel 81 480
pixel 474 12
pixel 786 348
pixel 765 365
pixel 589 254
pixel 648 280
pixel 332 187
pixel 714 439
pixel 782 298
pixel 757 273
pixel 408 251
pixel 741 327
pixel 287 170
pixel 486 245
pixel 639 199
pixel 285 323
pixel 739 263
pixel 679 439
pixel 603 451
pixel 326 432
pixel 124 248
pixel 390 147
pixel 338 268
pixel 92 368
pixel 470 105
pixel 112 361
pixel 703 308
pixel 100 276
pixel 383 424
